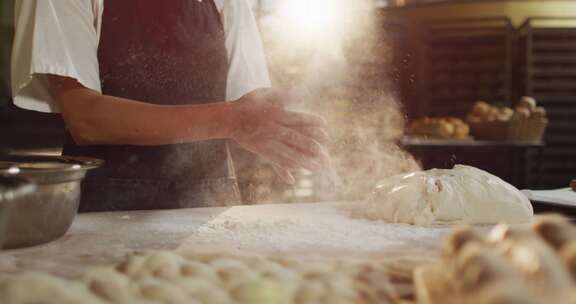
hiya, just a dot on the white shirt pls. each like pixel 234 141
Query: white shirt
pixel 61 37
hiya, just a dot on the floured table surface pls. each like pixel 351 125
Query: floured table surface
pixel 322 229
pixel 310 229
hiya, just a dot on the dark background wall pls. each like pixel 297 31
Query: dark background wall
pixel 6 12
pixel 20 129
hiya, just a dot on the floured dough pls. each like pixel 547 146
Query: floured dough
pixel 170 278
pixel 108 284
pixel 42 288
pixel 463 194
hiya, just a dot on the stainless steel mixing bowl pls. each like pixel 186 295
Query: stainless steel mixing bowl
pixel 12 191
pixel 48 213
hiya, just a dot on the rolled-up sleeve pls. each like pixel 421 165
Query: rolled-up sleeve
pixel 247 61
pixel 54 37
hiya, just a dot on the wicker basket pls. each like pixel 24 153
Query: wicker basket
pixel 518 129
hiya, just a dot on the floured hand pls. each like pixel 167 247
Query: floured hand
pixel 289 140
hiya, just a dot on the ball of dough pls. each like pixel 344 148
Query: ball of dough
pixel 164 265
pixel 341 286
pixel 261 292
pixel 506 293
pixel 109 284
pixel 42 288
pixel 154 290
pixel 556 230
pixel 195 285
pixel 311 292
pixel 213 296
pixel 232 277
pixel 477 266
pixel 279 273
pixel 568 254
pixel 460 238
pixel 233 272
pixel 199 270
pixel 462 195
pixel 132 267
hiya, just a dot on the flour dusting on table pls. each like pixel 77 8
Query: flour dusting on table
pixel 313 228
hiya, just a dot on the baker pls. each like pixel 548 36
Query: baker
pixel 144 85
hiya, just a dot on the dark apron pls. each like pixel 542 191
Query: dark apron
pixel 166 53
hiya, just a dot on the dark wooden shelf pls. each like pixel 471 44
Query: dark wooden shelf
pixel 539 46
pixel 474 83
pixel 555 32
pixel 498 68
pixel 429 142
pixel 555 98
pixel 559 85
pixel 552 72
pixel 552 59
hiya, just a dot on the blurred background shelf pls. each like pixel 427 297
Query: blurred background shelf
pixel 516 162
pixel 470 59
pixel 547 52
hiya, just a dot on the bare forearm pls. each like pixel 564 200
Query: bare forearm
pixel 257 121
pixel 93 118
pixel 112 120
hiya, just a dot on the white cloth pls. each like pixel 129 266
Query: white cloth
pixel 564 196
pixel 61 37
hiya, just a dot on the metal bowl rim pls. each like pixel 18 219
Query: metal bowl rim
pixel 76 163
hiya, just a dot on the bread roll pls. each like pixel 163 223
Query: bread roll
pixel 507 293
pixel 45 289
pixel 477 266
pixel 568 254
pixel 193 269
pixel 555 230
pixel 540 263
pixel 539 112
pixel 504 232
pixel 473 118
pixel 462 131
pixel 481 108
pixel 109 285
pixel 527 102
pixel 522 113
pixel 458 239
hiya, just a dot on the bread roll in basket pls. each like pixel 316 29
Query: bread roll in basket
pixel 526 123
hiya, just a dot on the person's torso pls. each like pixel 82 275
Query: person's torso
pixel 164 52
pixel 167 53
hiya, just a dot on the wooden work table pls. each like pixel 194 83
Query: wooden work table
pixel 98 239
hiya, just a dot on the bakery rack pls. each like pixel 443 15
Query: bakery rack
pixel 466 60
pixel 548 73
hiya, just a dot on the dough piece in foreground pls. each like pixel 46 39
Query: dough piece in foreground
pixel 167 277
pixel 462 195
pixel 46 290
pixel 109 285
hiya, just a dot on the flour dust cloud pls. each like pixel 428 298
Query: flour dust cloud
pixel 340 62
